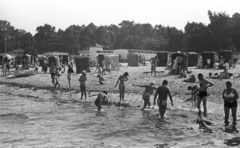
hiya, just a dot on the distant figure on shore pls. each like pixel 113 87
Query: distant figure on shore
pixel 57 79
pixel 69 75
pixel 52 71
pixel 230 97
pixel 101 97
pixel 121 81
pixel 202 93
pixel 36 66
pixel 163 93
pixel 4 69
pixel 82 80
pixel 147 93
pixel 154 62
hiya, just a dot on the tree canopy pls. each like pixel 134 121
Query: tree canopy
pixel 223 32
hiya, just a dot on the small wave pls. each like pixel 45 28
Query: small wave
pixel 13 116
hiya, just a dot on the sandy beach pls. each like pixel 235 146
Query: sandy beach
pixel 182 116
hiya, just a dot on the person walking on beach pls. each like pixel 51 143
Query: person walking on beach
pixel 163 93
pixel 154 62
pixel 69 75
pixel 52 72
pixel 82 80
pixel 121 81
pixel 57 79
pixel 230 97
pixel 147 93
pixel 4 69
pixel 202 93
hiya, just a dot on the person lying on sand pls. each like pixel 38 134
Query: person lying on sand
pixel 147 93
pixel 101 98
pixel 202 93
pixel 121 81
pixel 163 93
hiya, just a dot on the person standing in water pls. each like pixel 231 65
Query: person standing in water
pixel 57 79
pixel 147 93
pixel 230 97
pixel 202 93
pixel 69 75
pixel 121 81
pixel 102 96
pixel 163 93
pixel 82 80
pixel 154 62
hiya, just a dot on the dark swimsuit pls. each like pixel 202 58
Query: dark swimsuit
pixel 202 94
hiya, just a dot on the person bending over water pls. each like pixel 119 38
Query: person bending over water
pixel 202 93
pixel 147 93
pixel 101 97
pixel 163 93
pixel 121 81
pixel 230 97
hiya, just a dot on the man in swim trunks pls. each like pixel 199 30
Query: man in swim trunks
pixel 121 81
pixel 163 93
pixel 154 62
pixel 202 93
pixel 147 93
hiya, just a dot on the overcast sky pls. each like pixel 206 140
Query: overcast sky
pixel 29 14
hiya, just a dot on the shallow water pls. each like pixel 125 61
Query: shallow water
pixel 52 122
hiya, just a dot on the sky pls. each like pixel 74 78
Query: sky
pixel 29 14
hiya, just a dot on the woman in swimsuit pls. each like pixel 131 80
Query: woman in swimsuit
pixel 202 93
pixel 121 81
pixel 230 97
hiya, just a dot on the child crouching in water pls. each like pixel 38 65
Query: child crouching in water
pixel 101 98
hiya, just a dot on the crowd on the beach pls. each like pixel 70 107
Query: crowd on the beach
pixel 162 93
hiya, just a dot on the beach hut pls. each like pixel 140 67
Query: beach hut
pixel 1 59
pixel 192 59
pixel 18 60
pixel 100 59
pixel 208 59
pixel 26 59
pixel 64 59
pixel 6 58
pixel 133 59
pixel 82 63
pixel 55 60
pixel 163 58
pixel 113 59
pixel 227 56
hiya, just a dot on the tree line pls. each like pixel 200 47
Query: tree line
pixel 223 32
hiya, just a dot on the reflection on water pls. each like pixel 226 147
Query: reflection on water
pixel 61 120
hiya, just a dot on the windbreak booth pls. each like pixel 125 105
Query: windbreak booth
pixel 64 59
pixel 82 63
pixel 26 59
pixel 18 60
pixel 100 59
pixel 192 59
pixel 55 60
pixel 1 59
pixel 208 59
pixel 227 55
pixel 133 59
pixel 163 58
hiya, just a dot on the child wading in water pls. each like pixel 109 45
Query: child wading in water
pixel 57 79
pixel 121 81
pixel 69 75
pixel 147 93
pixel 83 79
pixel 101 98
